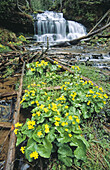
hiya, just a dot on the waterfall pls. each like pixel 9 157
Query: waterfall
pixel 56 28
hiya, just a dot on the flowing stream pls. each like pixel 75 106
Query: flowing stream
pixel 52 25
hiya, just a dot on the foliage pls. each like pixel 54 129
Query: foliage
pixel 56 117
pixel 4 48
pixel 99 77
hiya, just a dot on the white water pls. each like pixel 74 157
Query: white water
pixel 56 28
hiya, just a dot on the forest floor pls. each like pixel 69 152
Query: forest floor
pixel 96 129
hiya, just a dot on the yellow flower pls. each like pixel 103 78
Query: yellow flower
pixel 104 102
pixel 45 110
pixel 72 67
pixel 70 135
pixel 55 62
pixel 49 106
pixel 79 127
pixel 44 83
pixel 70 118
pixel 94 96
pixel 63 124
pixel 46 125
pixel 58 112
pixel 57 118
pixel 75 117
pixel 32 69
pixel 56 123
pixel 66 114
pixel 39 133
pixel 26 91
pixel 18 124
pixel 66 123
pixel 45 93
pixel 33 122
pixel 38 84
pixel 78 67
pixel 16 131
pixel 91 91
pixel 28 86
pixel 41 107
pixel 87 95
pixel 46 130
pixel 32 102
pixel 33 94
pixel 34 114
pixel 48 98
pixel 65 88
pixel 101 89
pixel 37 102
pixel 30 127
pixel 22 149
pixel 38 113
pixel 66 130
pixel 73 123
pixel 77 120
pixel 105 96
pixel 34 155
pixel 66 107
pixel 59 66
pixel 88 103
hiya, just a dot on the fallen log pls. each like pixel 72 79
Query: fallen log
pixel 6 125
pixel 10 94
pixel 11 150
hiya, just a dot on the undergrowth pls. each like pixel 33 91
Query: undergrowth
pixel 62 120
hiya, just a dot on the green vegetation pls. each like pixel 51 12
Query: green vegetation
pixel 57 118
pixel 99 77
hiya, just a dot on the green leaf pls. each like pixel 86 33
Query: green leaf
pixel 83 139
pixel 32 147
pixel 97 109
pixel 67 160
pixel 65 150
pixel 64 139
pixel 40 70
pixel 20 138
pixel 51 136
pixel 45 149
pixel 29 73
pixel 80 152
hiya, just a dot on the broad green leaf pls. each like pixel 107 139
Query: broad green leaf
pixel 20 138
pixel 51 136
pixel 83 139
pixel 65 150
pixel 44 149
pixel 80 152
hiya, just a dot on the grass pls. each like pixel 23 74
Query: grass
pixel 100 77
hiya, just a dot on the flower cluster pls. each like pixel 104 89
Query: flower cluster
pixel 56 116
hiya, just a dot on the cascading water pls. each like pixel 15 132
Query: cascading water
pixel 56 28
